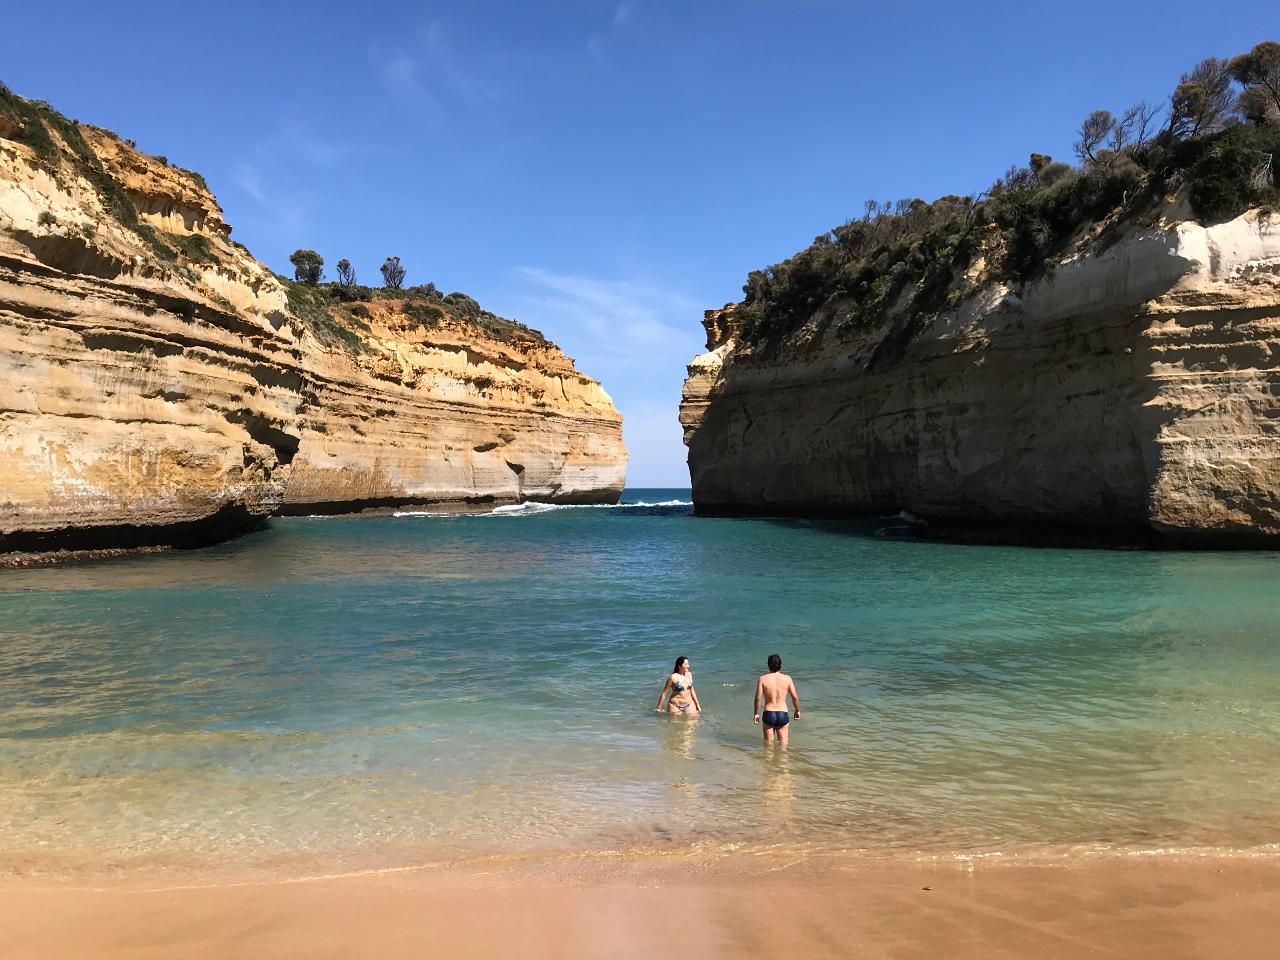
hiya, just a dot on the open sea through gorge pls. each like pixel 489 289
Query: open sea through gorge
pixel 364 692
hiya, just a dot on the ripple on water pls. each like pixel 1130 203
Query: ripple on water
pixel 464 685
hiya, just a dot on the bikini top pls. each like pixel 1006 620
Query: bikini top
pixel 678 682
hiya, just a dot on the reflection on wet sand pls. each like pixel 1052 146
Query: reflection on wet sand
pixel 777 791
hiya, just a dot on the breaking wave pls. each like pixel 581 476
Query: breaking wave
pixel 531 508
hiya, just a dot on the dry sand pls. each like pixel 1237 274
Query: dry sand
pixel 1165 907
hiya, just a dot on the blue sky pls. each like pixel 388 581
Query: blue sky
pixel 602 171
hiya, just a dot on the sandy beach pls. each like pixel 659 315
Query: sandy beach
pixel 1164 906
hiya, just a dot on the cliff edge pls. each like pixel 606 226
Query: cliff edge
pixel 159 386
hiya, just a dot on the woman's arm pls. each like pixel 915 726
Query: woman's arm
pixel 665 687
pixel 694 693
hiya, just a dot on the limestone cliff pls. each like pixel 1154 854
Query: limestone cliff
pixel 1133 389
pixel 160 386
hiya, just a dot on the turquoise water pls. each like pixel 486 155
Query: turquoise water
pixel 378 689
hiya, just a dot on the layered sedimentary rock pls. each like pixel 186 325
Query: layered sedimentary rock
pixel 1133 390
pixel 159 386
pixel 448 415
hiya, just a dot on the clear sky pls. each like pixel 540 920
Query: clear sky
pixel 602 171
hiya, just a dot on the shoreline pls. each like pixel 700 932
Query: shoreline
pixel 103 871
pixel 1161 905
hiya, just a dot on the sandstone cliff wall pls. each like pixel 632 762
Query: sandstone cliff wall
pixel 1134 391
pixel 156 387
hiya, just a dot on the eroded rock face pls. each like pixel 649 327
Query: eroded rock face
pixel 1134 391
pixel 157 388
pixel 444 415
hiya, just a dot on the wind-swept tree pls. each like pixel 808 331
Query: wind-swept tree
pixel 1135 127
pixel 1203 101
pixel 392 273
pixel 1094 131
pixel 1258 71
pixel 346 273
pixel 308 266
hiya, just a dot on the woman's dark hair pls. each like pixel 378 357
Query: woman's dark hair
pixel 775 663
pixel 679 660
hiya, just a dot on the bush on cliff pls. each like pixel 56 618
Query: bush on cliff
pixel 1231 172
pixel 194 247
pixel 349 292
pixel 308 266
pixel 311 305
pixel 423 314
pixel 43 129
pixel 911 259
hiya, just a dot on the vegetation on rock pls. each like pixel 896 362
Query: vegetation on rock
pixel 43 129
pixel 1218 145
pixel 308 266
pixel 392 273
pixel 337 314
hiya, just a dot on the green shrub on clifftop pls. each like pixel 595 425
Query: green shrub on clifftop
pixel 911 259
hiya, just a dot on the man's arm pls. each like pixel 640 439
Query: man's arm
pixel 756 708
pixel 795 697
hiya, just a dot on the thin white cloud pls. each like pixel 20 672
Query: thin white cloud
pixel 285 211
pixel 621 314
pixel 400 73
pixel 250 181
pixel 430 71
pixel 622 14
pixel 267 172
pixel 456 73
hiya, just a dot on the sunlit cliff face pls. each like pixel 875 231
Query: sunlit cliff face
pixel 1132 390
pixel 159 385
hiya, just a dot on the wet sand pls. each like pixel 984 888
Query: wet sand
pixel 1161 906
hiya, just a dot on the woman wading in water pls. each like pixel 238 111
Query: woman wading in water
pixel 683 701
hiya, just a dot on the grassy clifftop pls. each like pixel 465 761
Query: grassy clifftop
pixel 1212 153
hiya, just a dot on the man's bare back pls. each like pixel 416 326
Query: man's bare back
pixel 773 688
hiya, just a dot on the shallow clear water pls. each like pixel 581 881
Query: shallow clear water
pixel 362 687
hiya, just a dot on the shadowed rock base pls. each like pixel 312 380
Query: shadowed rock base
pixel 96 543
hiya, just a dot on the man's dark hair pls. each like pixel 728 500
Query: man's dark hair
pixel 775 663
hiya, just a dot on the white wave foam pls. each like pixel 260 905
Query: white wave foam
pixel 532 508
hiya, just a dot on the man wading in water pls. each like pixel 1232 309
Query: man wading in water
pixel 774 688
